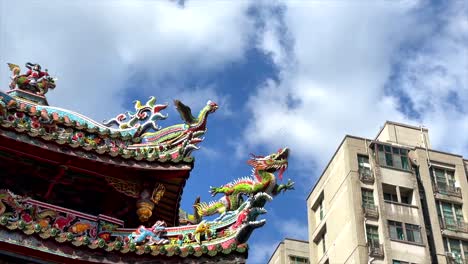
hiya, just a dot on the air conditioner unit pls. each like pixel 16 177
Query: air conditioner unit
pixel 457 184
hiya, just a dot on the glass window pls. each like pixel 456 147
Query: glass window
pixel 321 210
pixel 396 230
pixel 399 262
pixel 390 197
pixel 298 260
pixel 364 165
pixel 444 179
pixel 367 196
pixel 324 248
pixel 390 193
pixel 458 213
pixel 451 214
pixel 455 248
pixel 406 195
pixel 413 233
pixel 393 157
pixel 465 249
pixel 372 233
pixel 451 178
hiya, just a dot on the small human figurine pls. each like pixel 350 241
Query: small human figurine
pixel 34 74
pixel 34 80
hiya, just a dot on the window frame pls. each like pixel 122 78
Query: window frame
pixel 368 197
pixel 404 229
pixel 413 230
pixel 392 156
pixel 449 179
pixel 294 259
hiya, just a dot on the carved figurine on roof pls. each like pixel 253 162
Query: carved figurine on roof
pixel 34 80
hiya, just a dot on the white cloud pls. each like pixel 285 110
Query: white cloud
pixel 96 48
pixel 292 228
pixel 435 79
pixel 260 252
pixel 333 81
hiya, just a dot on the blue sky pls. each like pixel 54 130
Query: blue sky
pixel 285 73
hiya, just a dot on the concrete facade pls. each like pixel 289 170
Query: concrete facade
pixel 392 199
pixel 291 251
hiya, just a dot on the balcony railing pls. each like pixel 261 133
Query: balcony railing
pixel 370 210
pixel 375 249
pixel 448 190
pixel 366 176
pixel 457 226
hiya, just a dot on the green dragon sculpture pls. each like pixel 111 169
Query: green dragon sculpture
pixel 263 180
pixel 182 137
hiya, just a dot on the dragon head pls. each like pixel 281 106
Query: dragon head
pixel 271 163
pixel 212 106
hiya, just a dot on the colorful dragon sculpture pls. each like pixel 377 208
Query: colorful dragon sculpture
pixel 144 118
pixel 183 137
pixel 262 180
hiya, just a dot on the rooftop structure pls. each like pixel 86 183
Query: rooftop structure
pixel 74 190
pixel 291 251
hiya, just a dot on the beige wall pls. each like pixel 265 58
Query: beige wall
pixel 341 187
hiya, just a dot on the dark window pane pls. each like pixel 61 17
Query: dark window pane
pixel 397 161
pixel 388 158
pixel 396 150
pixel 382 158
pixel 405 199
pixel 404 163
pixel 388 149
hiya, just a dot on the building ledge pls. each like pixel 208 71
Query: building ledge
pixel 408 242
pixel 455 234
pixel 402 204
pixel 397 169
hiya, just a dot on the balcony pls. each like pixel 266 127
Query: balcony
pixel 448 190
pixel 375 249
pixel 366 176
pixel 370 210
pixel 452 225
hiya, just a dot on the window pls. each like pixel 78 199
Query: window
pixel 364 165
pixel 393 157
pixel 413 233
pixel 406 195
pixel 321 210
pixel 465 249
pixel 390 193
pixel 455 247
pixel 443 178
pixel 367 197
pixel 318 208
pixel 396 230
pixel 372 233
pixel 399 262
pixel 298 260
pixel 324 248
pixel 407 232
pixel 451 214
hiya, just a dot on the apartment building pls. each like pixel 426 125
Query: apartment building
pixel 291 251
pixel 392 199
